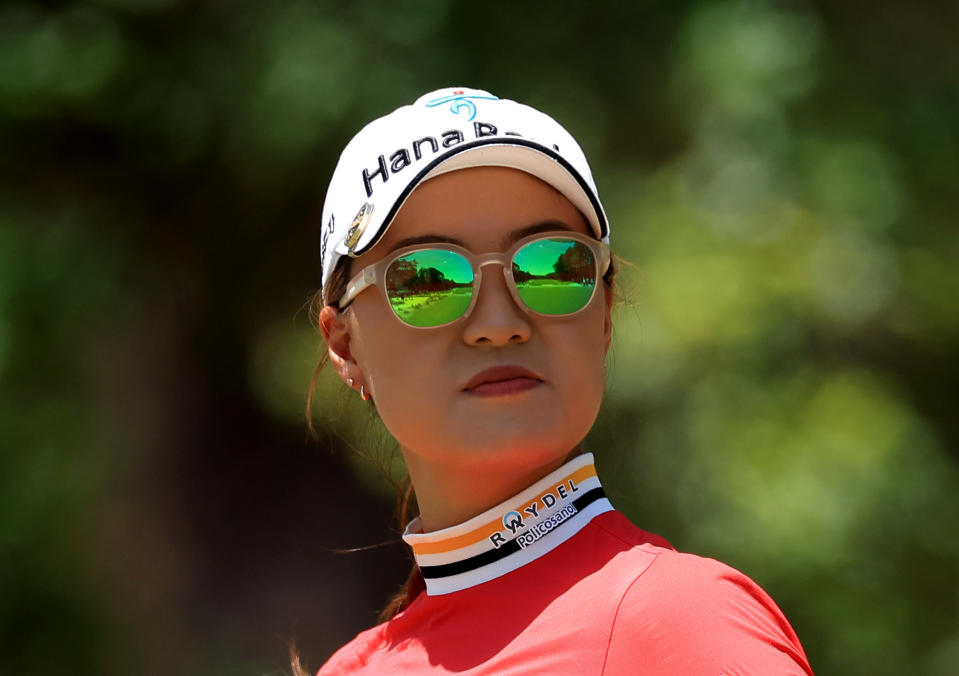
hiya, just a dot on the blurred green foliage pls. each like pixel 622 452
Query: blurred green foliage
pixel 780 177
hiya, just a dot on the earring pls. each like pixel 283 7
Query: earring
pixel 350 382
pixel 363 395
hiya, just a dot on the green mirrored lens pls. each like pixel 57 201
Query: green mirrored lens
pixel 430 287
pixel 555 276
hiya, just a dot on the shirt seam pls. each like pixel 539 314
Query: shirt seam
pixel 622 600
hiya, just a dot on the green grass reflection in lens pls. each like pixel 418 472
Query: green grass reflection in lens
pixel 429 287
pixel 555 276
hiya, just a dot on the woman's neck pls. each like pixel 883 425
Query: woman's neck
pixel 450 494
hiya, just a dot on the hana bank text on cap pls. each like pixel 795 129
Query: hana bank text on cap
pixel 443 131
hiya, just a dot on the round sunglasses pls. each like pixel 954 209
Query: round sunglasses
pixel 554 274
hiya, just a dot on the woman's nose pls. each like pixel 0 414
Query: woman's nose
pixel 495 320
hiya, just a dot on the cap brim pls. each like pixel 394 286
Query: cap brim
pixel 540 161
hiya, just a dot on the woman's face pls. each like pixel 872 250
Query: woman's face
pixel 433 388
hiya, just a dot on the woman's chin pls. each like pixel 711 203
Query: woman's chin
pixel 526 442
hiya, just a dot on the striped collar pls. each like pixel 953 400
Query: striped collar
pixel 513 533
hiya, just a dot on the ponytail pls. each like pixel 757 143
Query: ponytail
pixel 405 512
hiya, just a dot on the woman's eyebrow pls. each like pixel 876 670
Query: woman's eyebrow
pixel 542 226
pixel 516 235
pixel 426 239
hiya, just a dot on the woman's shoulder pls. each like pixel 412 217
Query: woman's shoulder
pixel 690 614
pixel 678 576
pixel 356 655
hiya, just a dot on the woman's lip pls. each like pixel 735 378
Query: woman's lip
pixel 502 380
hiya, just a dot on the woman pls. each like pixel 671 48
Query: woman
pixel 467 287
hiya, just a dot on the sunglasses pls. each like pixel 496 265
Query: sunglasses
pixel 553 274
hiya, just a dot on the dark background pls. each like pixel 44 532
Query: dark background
pixel 782 393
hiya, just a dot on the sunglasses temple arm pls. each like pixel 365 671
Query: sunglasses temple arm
pixel 366 278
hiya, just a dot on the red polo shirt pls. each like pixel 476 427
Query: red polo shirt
pixel 554 581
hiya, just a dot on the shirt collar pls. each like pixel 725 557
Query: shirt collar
pixel 515 532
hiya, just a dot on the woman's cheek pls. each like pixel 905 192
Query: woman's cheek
pixel 584 377
pixel 409 400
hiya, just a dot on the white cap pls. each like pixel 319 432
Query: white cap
pixel 445 130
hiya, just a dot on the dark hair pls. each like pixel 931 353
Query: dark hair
pixel 406 509
pixel 334 288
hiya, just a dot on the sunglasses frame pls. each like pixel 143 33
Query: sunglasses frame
pixel 375 273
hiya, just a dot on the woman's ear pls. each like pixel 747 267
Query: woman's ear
pixel 336 332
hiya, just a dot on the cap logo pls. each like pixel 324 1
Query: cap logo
pixel 327 231
pixel 460 103
pixel 357 227
pixel 402 158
